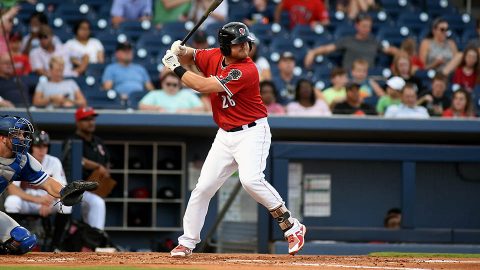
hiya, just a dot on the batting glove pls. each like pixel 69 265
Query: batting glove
pixel 178 49
pixel 170 60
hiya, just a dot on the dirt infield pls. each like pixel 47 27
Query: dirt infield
pixel 235 261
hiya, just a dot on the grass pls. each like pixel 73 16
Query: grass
pixel 19 267
pixel 429 255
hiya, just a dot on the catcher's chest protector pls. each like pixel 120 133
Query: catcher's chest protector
pixel 10 169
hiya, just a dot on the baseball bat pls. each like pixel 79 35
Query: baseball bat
pixel 210 9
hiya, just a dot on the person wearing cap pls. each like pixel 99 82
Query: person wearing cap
pixel 20 60
pixel 40 57
pixel 408 108
pixel 285 80
pixel 128 10
pixel 57 91
pixel 24 198
pixel 394 86
pixel 95 158
pixel 124 76
pixel 353 103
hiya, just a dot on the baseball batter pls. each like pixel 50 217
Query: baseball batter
pixel 243 138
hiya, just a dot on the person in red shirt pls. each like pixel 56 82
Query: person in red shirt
pixel 243 138
pixel 467 74
pixel 20 60
pixel 303 12
pixel 462 105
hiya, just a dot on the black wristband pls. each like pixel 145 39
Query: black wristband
pixel 180 71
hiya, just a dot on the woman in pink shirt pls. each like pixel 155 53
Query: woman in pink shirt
pixel 268 94
pixel 306 103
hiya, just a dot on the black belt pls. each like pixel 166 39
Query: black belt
pixel 235 129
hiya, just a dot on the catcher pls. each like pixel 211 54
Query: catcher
pixel 17 165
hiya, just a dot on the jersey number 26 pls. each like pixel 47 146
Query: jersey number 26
pixel 227 102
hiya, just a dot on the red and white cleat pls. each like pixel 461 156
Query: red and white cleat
pixel 296 240
pixel 181 251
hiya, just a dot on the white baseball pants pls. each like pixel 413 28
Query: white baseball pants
pixel 245 150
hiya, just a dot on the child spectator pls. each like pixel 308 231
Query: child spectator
pixel 368 87
pixel 402 67
pixel 57 91
pixel 435 100
pixel 394 86
pixel 466 75
pixel 353 103
pixel 337 92
pixel 269 98
pixel 306 103
pixel 461 105
pixel 409 45
pixel 20 60
pixel 408 108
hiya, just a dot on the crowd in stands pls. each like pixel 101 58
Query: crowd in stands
pixel 389 58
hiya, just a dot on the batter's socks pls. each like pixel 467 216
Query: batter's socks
pixel 283 218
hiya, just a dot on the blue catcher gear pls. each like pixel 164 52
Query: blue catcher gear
pixel 19 130
pixel 21 242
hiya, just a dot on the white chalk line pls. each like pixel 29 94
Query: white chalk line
pixel 357 266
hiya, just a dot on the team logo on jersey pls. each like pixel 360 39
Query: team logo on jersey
pixel 242 31
pixel 233 74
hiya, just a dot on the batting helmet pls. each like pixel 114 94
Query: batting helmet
pixel 233 33
pixel 19 130
pixel 40 138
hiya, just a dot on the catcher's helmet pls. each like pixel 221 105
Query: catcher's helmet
pixel 40 138
pixel 19 130
pixel 233 33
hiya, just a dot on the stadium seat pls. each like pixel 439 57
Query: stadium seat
pixel 152 43
pixel 380 19
pixel 109 41
pixel 309 35
pixel 322 72
pixel 96 4
pixel 101 100
pixel 469 35
pixel 337 18
pixel 27 10
pixel 95 70
pixel 437 8
pixel 393 34
pixel 459 22
pixel 294 45
pixel 72 13
pixel 476 100
pixel 395 7
pixel 172 31
pixel 134 29
pixel 415 21
pixel 266 32
pixel 344 30
pixel 134 98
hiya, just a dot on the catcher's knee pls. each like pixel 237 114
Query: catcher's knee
pixel 21 241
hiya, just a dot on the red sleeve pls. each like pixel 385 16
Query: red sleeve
pixel 321 12
pixel 238 77
pixel 27 68
pixel 458 76
pixel 287 5
pixel 201 58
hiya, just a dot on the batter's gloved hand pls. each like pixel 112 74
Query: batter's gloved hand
pixel 178 49
pixel 73 192
pixel 170 60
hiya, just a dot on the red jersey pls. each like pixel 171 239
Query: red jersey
pixel 305 11
pixel 240 103
pixel 22 64
pixel 466 81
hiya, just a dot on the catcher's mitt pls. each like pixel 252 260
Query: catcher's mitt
pixel 73 192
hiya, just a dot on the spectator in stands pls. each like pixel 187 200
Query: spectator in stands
pixel 435 100
pixel 306 103
pixel 24 198
pixel 219 15
pixel 461 105
pixel 353 103
pixel 7 25
pixel 269 98
pixel 436 50
pixel 354 7
pixel 83 49
pixel 166 11
pixel 11 96
pixel 261 62
pixel 303 12
pixel 467 73
pixel 32 40
pixel 285 80
pixel 409 45
pixel 57 91
pixel 95 161
pixel 127 10
pixel 40 57
pixel 408 108
pixel 362 45
pixel 124 76
pixel 368 87
pixel 21 61
pixel 337 93
pixel 259 12
pixel 403 68
pixel 171 98
pixel 394 86
pixel 393 219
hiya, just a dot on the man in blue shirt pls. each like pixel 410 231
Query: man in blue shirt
pixel 124 76
pixel 123 10
pixel 16 164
